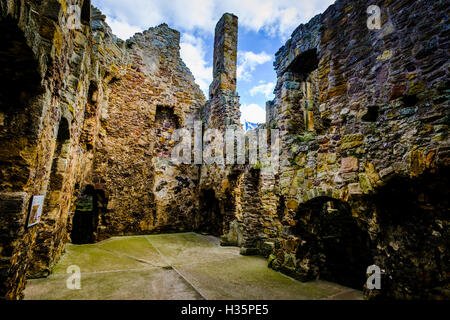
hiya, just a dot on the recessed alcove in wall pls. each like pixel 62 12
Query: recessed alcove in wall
pixel 332 242
pixel 304 70
pixel 86 12
pixel 414 220
pixel 42 256
pixel 59 164
pixel 305 63
pixel 210 216
pixel 90 114
pixel 166 121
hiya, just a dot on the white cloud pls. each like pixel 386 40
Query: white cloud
pixel 276 17
pixel 122 29
pixel 253 113
pixel 247 63
pixel 193 54
pixel 265 88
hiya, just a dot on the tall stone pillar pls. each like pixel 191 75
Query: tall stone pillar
pixel 224 100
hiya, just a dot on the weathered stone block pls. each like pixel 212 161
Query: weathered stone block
pixel 417 163
pixel 354 189
pixel 365 184
pixel 12 205
pixel 349 164
pixel 351 141
pixel 372 174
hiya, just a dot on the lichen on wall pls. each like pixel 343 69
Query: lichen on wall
pixel 88 120
pixel 360 111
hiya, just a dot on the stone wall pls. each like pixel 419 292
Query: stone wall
pixel 145 191
pixel 224 101
pixel 40 130
pixel 222 111
pixel 88 119
pixel 362 112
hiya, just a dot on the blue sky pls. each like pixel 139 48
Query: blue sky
pixel 264 26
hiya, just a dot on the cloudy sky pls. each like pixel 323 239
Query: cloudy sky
pixel 264 26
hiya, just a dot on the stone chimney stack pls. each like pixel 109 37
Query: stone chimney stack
pixel 225 54
pixel 224 101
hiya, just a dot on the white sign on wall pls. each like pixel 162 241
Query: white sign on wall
pixel 36 210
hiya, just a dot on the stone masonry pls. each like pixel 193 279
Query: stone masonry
pixel 88 121
pixel 364 118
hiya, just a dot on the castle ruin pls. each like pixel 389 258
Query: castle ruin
pixel 87 120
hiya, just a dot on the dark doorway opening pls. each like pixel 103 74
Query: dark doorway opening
pixel 210 217
pixel 414 231
pixel 90 205
pixel 333 242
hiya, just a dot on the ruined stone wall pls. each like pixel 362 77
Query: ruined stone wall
pixel 32 116
pixel 90 71
pixel 145 191
pixel 46 134
pixel 361 112
pixel 92 122
pixel 87 119
pixel 223 105
pixel 221 180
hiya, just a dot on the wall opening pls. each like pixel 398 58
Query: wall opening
pixel 90 208
pixel 86 13
pixel 305 63
pixel 281 207
pixel 210 219
pixel 166 121
pixel 45 239
pixel 415 233
pixel 60 156
pixel 371 114
pixel 304 71
pixel 332 242
pixel 90 117
pixel 410 100
pixel 20 84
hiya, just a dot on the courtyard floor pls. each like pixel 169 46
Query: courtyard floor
pixel 185 266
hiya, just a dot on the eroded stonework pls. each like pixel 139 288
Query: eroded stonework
pixel 364 118
pixel 88 120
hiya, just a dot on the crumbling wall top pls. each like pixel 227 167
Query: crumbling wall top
pixel 225 54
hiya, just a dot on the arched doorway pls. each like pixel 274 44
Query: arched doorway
pixel 333 245
pixel 90 208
